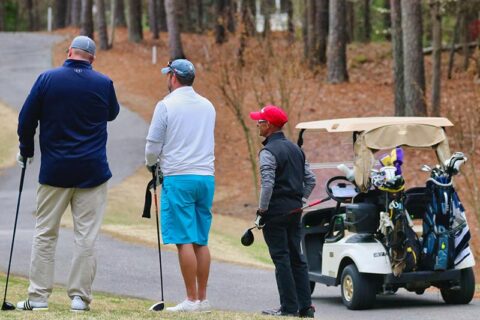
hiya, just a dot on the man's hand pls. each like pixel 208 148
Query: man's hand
pixel 21 160
pixel 151 168
pixel 259 220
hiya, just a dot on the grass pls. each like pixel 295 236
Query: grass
pixel 8 136
pixel 104 306
pixel 123 221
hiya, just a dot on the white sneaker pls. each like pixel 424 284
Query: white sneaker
pixel 78 304
pixel 204 306
pixel 32 305
pixel 185 306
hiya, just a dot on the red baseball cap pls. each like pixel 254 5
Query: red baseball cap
pixel 272 114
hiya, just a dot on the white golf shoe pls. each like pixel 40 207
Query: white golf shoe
pixel 32 305
pixel 204 306
pixel 185 306
pixel 79 305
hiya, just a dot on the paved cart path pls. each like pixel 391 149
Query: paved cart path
pixel 129 269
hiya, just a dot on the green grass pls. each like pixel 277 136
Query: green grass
pixel 104 306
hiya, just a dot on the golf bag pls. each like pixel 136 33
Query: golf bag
pixel 403 241
pixel 445 230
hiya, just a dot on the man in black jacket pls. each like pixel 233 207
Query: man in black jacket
pixel 286 180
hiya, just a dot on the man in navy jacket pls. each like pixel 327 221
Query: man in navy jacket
pixel 72 104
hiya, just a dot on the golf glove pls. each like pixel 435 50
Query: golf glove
pixel 259 220
pixel 20 160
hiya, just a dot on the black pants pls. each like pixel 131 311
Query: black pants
pixel 291 270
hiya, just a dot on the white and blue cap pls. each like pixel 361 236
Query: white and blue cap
pixel 181 68
pixel 84 43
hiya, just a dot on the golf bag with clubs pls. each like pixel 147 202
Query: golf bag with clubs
pixel 445 230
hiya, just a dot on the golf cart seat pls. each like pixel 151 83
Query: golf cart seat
pixel 416 202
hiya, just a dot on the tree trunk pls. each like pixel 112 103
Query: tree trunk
pixel 220 34
pixel 248 17
pixel 436 55
pixel 311 32
pixel 152 18
pixel 113 20
pixel 75 12
pixel 174 38
pixel 337 43
pixel 397 50
pixel 387 22
pixel 321 25
pixel 350 21
pixel 413 58
pixel 231 24
pixel 135 31
pixel 2 16
pixel 367 23
pixel 199 6
pixel 120 19
pixel 267 8
pixel 68 9
pixel 454 39
pixel 102 24
pixel 290 23
pixel 59 14
pixel 161 16
pixel 464 38
pixel 31 17
pixel 87 19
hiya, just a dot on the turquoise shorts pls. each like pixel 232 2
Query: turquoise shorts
pixel 186 209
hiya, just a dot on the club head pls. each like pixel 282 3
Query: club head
pixel 247 238
pixel 159 306
pixel 7 306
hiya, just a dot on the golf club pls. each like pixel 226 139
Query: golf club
pixel 159 306
pixel 248 238
pixel 7 306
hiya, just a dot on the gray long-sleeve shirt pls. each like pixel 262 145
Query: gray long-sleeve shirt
pixel 268 166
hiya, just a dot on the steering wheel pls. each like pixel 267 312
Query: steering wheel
pixel 344 182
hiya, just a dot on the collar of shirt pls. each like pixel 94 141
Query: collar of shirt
pixel 71 63
pixel 273 136
pixel 182 90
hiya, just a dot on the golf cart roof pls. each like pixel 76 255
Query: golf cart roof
pixel 369 123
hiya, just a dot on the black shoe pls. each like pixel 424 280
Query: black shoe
pixel 307 313
pixel 279 313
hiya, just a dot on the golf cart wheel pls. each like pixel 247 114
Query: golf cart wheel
pixel 465 293
pixel 312 286
pixel 358 290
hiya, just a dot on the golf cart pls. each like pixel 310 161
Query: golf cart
pixel 365 242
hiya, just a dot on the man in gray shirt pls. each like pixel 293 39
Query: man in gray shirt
pixel 286 179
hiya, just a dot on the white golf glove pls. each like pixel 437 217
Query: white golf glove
pixel 258 221
pixel 20 160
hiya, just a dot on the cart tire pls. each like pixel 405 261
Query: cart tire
pixel 467 289
pixel 312 286
pixel 358 289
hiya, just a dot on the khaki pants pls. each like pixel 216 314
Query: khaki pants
pixel 88 206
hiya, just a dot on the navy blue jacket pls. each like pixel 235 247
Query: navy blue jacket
pixel 73 104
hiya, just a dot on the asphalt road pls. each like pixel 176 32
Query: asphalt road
pixel 132 270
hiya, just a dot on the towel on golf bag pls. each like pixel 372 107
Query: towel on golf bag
pixel 462 232
pixel 445 229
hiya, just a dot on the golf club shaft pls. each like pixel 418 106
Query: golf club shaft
pixel 22 176
pixel 158 231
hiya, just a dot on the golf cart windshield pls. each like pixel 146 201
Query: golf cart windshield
pixel 380 133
